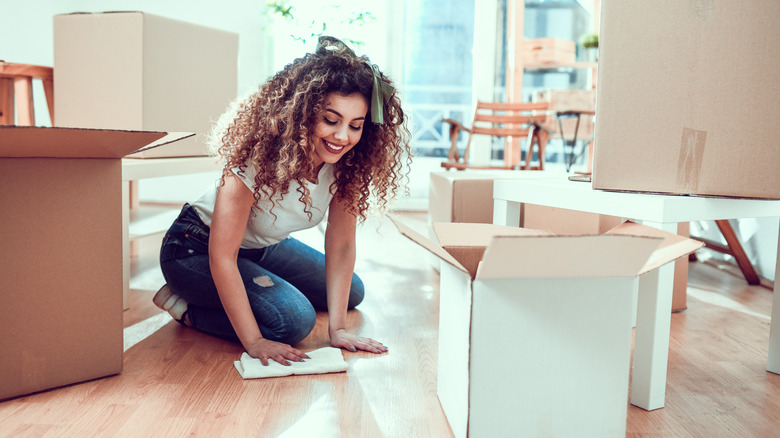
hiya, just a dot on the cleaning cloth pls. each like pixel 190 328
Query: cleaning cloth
pixel 323 360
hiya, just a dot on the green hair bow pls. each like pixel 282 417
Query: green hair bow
pixel 381 91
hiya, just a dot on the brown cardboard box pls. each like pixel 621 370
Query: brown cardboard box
pixel 467 196
pixel 61 257
pixel 548 51
pixel 494 284
pixel 687 98
pixel 139 71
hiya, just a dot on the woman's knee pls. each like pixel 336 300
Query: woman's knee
pixel 304 325
pixel 291 327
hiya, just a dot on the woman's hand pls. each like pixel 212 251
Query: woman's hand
pixel 265 349
pixel 342 339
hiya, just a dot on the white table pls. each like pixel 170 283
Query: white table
pixel 654 302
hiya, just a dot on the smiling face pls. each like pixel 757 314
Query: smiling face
pixel 339 128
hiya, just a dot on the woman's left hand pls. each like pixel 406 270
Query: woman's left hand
pixel 342 339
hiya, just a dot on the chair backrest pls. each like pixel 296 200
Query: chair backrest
pixel 507 120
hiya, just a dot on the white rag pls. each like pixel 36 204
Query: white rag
pixel 323 360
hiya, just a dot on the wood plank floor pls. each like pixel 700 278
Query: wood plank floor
pixel 177 382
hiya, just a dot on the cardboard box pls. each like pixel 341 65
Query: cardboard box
pixel 548 52
pixel 467 196
pixel 527 347
pixel 139 71
pixel 462 196
pixel 569 100
pixel 61 259
pixel 685 104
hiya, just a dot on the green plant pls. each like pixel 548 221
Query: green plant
pixel 310 23
pixel 590 41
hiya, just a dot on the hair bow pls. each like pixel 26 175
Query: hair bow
pixel 381 91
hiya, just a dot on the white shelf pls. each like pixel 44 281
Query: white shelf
pixel 147 220
pixel 141 168
pixel 557 67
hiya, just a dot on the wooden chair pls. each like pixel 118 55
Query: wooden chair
pixel 734 248
pixel 571 144
pixel 16 88
pixel 509 120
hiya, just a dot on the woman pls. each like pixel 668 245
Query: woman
pixel 326 133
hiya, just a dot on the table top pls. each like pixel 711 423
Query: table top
pixel 559 192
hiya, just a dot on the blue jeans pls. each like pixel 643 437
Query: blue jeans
pixel 285 282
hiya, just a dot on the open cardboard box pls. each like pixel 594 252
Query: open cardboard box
pixel 61 258
pixel 535 329
pixel 468 197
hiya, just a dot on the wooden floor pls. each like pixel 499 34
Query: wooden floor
pixel 177 382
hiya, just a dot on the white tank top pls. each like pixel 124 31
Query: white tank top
pixel 263 229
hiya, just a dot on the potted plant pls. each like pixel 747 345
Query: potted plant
pixel 590 42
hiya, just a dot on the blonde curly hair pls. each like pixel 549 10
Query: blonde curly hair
pixel 271 129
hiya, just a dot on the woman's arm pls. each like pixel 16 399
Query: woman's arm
pixel 231 213
pixel 339 267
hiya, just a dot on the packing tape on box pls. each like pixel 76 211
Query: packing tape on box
pixel 691 156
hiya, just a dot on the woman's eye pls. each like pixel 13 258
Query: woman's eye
pixel 329 122
pixel 356 128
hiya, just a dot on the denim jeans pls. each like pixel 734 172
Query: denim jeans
pixel 285 282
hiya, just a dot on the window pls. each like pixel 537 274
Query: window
pixel 438 39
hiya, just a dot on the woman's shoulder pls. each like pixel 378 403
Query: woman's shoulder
pixel 246 171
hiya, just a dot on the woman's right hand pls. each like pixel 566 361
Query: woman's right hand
pixel 265 349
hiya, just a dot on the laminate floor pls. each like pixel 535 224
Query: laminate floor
pixel 178 382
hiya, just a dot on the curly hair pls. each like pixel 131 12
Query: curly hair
pixel 271 129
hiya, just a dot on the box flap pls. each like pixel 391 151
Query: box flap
pixel 469 234
pixel 169 138
pixel 466 242
pixel 566 256
pixel 468 256
pixel 673 246
pixel 43 142
pixel 426 243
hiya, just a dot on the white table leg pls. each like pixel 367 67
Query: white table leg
pixel 773 364
pixel 125 244
pixel 506 212
pixel 651 339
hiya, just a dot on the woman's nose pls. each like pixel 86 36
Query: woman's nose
pixel 341 133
